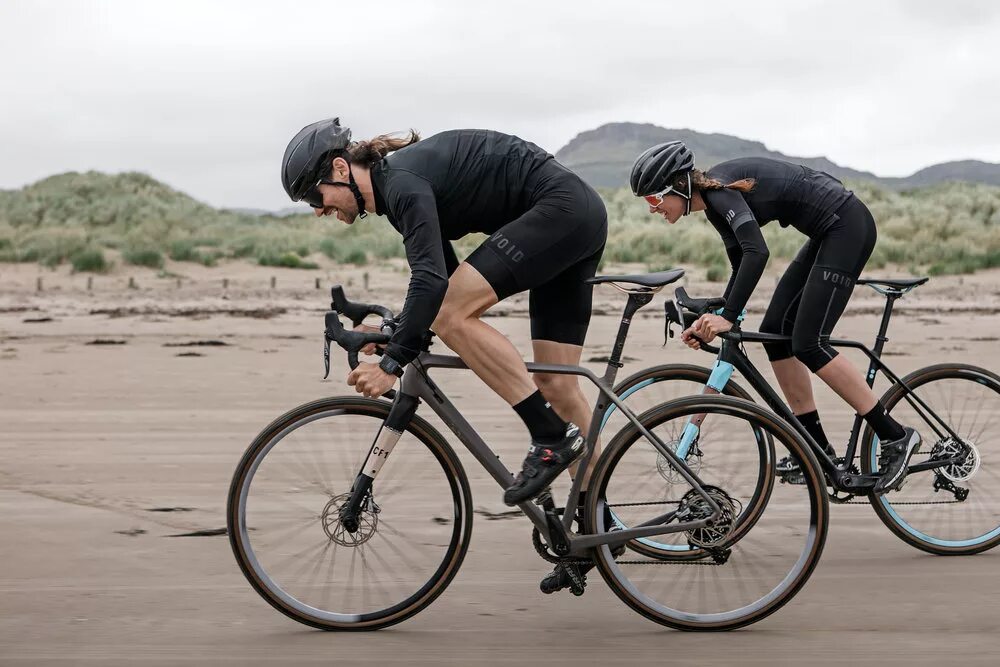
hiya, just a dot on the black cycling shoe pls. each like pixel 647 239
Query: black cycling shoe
pixel 894 459
pixel 574 576
pixel 543 464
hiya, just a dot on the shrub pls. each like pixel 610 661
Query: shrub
pixel 89 260
pixel 148 257
pixel 288 260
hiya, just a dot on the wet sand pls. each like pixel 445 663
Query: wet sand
pixel 96 439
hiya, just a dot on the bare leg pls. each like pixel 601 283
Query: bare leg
pixel 485 350
pixel 796 384
pixel 841 376
pixel 564 393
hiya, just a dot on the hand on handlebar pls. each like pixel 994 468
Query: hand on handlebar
pixel 370 348
pixel 704 330
pixel 370 380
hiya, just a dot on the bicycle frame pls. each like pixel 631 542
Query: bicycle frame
pixel 731 357
pixel 416 385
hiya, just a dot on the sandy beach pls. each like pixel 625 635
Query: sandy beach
pixel 124 411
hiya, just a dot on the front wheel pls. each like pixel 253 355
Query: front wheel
pixel 759 550
pixel 285 529
pixel 952 510
pixel 654 386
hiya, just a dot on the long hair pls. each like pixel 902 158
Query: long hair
pixel 702 182
pixel 367 153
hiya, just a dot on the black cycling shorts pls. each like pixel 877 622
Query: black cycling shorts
pixel 550 250
pixel 813 293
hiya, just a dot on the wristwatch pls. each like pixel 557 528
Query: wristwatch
pixel 391 366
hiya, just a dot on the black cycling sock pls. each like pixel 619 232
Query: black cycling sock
pixel 810 420
pixel 886 428
pixel 542 421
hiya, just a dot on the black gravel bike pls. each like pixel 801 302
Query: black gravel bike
pixel 350 513
pixel 950 501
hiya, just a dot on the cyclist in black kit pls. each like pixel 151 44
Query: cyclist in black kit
pixel 739 197
pixel 547 231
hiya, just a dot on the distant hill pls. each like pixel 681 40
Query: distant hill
pixel 604 156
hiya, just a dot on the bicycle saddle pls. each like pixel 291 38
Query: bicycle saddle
pixel 650 280
pixel 894 283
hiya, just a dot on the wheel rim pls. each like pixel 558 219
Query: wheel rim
pixel 384 546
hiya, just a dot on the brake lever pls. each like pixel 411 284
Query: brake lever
pixel 326 357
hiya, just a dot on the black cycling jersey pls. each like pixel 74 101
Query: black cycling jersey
pixel 463 181
pixel 789 193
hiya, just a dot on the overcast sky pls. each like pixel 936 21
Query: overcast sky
pixel 205 95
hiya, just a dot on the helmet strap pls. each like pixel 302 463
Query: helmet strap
pixel 361 200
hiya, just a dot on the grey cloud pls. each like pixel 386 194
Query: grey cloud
pixel 205 95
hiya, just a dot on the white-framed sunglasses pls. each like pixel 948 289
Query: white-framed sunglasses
pixel 657 199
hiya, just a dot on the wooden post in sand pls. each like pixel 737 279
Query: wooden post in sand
pixel 178 283
pixel 131 282
pixel 366 281
pixel 317 283
pixel 225 283
pixel 38 284
pixel 90 283
pixel 274 281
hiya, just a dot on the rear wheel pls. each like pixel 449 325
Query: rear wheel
pixel 756 554
pixel 953 510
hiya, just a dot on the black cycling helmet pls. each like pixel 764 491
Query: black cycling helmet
pixel 307 162
pixel 655 169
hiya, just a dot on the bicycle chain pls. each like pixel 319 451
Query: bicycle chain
pixel 905 502
pixel 660 502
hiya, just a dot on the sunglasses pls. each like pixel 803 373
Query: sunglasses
pixel 313 196
pixel 657 199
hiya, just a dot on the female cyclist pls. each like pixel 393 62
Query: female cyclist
pixel 547 231
pixel 738 197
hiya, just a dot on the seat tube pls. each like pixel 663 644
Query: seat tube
pixel 881 339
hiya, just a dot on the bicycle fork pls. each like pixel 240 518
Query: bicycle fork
pixel 403 408
pixel 721 372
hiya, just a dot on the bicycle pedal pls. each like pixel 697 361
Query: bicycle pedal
pixel 796 478
pixel 577 580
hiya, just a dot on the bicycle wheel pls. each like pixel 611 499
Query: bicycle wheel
pixel 285 530
pixel 655 386
pixel 954 510
pixel 761 550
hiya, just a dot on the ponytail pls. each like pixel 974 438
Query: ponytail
pixel 703 182
pixel 367 153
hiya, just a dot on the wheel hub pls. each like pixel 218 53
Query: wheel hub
pixel 338 533
pixel 668 472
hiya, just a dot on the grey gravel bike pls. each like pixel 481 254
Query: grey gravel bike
pixel 950 501
pixel 350 513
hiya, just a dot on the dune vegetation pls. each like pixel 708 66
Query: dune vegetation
pixel 77 218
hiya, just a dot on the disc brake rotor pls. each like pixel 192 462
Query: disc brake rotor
pixel 962 471
pixel 694 507
pixel 367 521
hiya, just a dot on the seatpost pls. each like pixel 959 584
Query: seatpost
pixel 881 339
pixel 636 300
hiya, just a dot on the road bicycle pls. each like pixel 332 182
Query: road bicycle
pixel 351 513
pixel 949 503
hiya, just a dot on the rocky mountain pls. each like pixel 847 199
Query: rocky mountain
pixel 603 157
